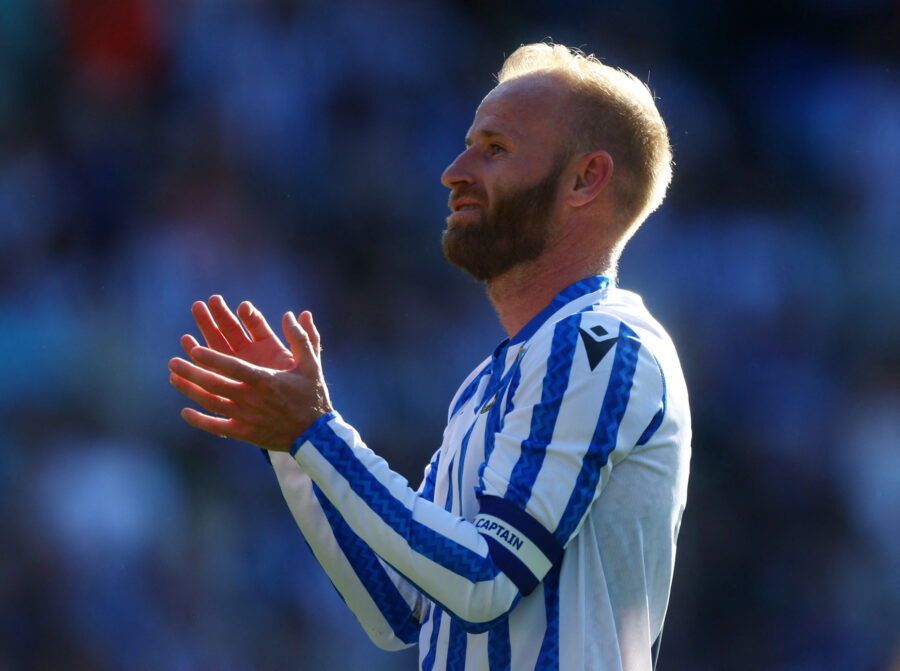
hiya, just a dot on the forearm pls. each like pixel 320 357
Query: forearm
pixel 387 606
pixel 442 554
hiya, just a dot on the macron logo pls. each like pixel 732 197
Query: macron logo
pixel 596 344
pixel 500 532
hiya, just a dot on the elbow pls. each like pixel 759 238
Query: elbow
pixel 390 643
pixel 394 637
pixel 488 605
pixel 482 625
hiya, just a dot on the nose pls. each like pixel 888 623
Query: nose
pixel 458 172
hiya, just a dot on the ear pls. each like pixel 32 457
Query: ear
pixel 593 173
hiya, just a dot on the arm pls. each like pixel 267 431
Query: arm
pixel 475 569
pixel 552 454
pixel 386 605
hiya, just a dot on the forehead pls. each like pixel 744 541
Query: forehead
pixel 531 105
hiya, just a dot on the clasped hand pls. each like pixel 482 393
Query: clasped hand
pixel 257 390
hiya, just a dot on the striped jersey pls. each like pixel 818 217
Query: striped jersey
pixel 543 533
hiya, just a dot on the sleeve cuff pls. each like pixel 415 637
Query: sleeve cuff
pixel 314 431
pixel 520 546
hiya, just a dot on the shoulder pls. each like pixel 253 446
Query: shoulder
pixel 604 321
pixel 615 335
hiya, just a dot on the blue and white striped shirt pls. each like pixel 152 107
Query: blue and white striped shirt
pixel 543 534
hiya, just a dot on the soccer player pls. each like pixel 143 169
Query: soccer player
pixel 543 533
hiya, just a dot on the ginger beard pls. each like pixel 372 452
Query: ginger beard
pixel 514 230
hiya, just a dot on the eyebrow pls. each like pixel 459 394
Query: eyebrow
pixel 485 133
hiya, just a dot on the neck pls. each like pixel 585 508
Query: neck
pixel 522 292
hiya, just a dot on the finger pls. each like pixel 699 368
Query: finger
pixel 208 328
pixel 229 325
pixel 188 342
pixel 255 322
pixel 219 426
pixel 209 380
pixel 298 339
pixel 227 365
pixel 211 402
pixel 306 321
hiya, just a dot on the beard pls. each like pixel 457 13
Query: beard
pixel 514 230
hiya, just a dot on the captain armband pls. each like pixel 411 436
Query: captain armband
pixel 519 545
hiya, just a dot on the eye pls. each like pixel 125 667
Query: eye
pixel 494 149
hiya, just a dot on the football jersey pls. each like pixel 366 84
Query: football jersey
pixel 543 533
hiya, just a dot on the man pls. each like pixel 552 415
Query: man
pixel 543 534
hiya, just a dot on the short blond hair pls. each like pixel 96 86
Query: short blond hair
pixel 614 111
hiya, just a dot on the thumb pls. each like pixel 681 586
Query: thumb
pixel 298 339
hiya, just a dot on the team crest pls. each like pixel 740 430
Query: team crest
pixel 489 404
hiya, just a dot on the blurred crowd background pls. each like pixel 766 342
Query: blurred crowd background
pixel 289 152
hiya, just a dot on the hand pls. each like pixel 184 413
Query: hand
pixel 258 404
pixel 224 333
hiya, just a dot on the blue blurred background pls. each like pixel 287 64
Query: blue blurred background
pixel 153 153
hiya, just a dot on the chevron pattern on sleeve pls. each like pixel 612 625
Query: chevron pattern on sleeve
pixel 618 392
pixel 422 539
pixel 371 574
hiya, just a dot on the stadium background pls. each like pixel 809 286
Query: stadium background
pixel 152 153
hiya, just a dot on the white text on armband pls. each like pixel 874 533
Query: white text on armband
pixel 499 531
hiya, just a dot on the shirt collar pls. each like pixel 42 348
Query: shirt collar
pixel 572 292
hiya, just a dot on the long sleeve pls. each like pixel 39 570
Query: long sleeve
pixel 588 392
pixel 387 606
pixel 550 455
pixel 442 554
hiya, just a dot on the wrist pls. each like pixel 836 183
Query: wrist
pixel 314 429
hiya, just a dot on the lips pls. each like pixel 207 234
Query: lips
pixel 464 204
